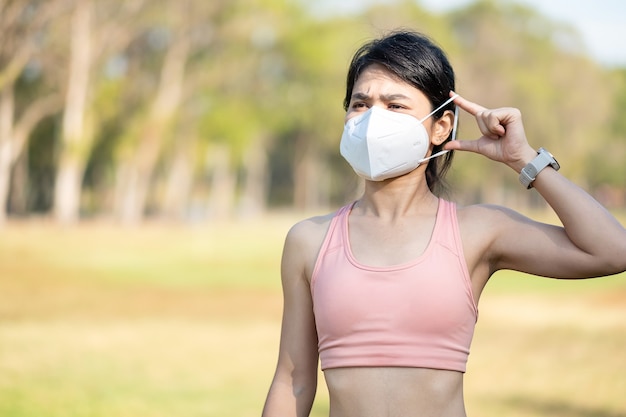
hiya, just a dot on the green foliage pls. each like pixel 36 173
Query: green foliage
pixel 618 124
pixel 270 75
pixel 608 144
pixel 511 55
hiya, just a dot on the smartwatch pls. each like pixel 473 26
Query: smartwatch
pixel 534 167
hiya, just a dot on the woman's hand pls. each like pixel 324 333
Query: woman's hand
pixel 503 137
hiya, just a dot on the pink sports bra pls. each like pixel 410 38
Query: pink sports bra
pixel 418 314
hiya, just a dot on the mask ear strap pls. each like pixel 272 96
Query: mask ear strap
pixel 454 128
pixel 456 122
pixel 445 103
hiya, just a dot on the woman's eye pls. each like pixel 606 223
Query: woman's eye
pixel 359 106
pixel 395 106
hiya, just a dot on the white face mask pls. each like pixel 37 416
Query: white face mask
pixel 381 144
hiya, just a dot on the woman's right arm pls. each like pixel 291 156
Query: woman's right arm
pixel 294 385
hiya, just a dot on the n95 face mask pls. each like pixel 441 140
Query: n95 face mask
pixel 381 144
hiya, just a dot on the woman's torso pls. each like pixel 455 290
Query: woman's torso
pixel 394 392
pixel 398 391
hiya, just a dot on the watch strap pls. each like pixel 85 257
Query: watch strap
pixel 529 173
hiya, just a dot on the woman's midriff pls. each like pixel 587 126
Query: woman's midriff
pixel 394 391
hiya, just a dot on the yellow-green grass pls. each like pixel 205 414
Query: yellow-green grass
pixel 168 320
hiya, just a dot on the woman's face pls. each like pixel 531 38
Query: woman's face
pixel 377 86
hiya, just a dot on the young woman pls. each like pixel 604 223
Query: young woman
pixel 385 290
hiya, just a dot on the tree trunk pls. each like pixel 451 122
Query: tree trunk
pixel 255 187
pixel 309 178
pixel 179 180
pixel 223 184
pixel 75 142
pixel 6 134
pixel 138 177
pixel 13 138
pixel 18 197
pixel 124 191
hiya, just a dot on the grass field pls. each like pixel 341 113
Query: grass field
pixel 181 321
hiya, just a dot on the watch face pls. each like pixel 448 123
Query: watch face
pixel 544 150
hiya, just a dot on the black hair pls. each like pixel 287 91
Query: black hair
pixel 418 61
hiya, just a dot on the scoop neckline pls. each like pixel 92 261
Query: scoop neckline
pixel 395 267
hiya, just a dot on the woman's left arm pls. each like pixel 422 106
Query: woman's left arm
pixel 590 243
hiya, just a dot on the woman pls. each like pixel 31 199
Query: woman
pixel 385 290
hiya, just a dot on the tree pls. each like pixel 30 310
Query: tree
pixel 91 42
pixel 21 24
pixel 229 106
pixel 136 175
pixel 510 54
pixel 607 172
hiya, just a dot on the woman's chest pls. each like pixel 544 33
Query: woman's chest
pixel 380 244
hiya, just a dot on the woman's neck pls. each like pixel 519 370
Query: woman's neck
pixel 397 197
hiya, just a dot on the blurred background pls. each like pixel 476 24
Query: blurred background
pixel 154 153
pixel 199 111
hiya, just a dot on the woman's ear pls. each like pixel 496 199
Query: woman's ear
pixel 442 128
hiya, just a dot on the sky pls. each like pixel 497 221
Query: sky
pixel 601 23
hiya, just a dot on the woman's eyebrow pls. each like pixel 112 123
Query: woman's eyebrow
pixel 385 97
pixel 396 96
pixel 360 96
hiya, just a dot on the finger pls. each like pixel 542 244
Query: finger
pixel 490 124
pixel 494 123
pixel 487 120
pixel 462 145
pixel 481 121
pixel 468 106
pixel 485 124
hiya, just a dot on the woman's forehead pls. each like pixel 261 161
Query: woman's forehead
pixel 378 77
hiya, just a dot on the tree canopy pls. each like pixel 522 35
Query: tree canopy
pixel 200 110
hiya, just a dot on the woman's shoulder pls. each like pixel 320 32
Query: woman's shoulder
pixel 310 230
pixel 484 212
pixel 481 228
pixel 485 222
pixel 305 239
